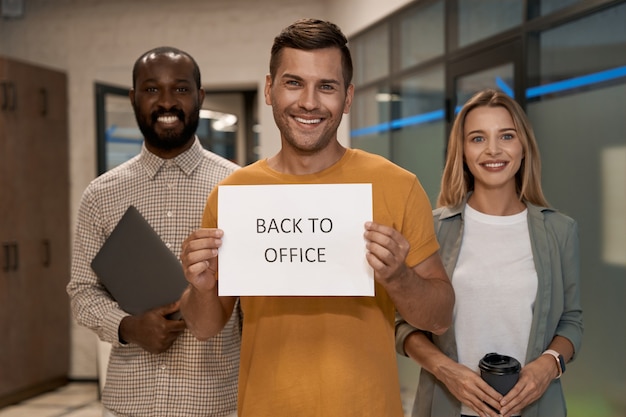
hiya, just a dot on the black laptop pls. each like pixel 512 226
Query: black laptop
pixel 137 268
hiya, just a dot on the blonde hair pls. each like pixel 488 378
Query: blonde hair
pixel 457 180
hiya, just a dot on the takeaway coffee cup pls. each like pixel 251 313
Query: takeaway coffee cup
pixel 499 371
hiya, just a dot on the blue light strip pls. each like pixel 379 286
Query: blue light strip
pixel 370 130
pixel 576 82
pixel 531 92
pixel 505 87
pixel 418 119
pixel 400 123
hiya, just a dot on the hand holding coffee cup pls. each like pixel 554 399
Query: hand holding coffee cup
pixel 501 372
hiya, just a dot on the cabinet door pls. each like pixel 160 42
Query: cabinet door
pixel 53 244
pixel 8 228
pixel 16 128
pixel 36 312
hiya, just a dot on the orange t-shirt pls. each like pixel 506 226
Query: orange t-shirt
pixel 329 356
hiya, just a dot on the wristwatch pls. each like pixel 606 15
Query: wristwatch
pixel 560 362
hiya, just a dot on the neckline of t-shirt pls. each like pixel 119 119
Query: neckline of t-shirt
pixel 315 177
pixel 473 214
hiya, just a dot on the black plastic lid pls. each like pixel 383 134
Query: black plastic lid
pixel 494 363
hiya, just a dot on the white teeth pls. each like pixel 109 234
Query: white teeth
pixel 167 119
pixel 495 165
pixel 307 121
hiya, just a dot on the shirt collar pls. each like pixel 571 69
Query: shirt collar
pixel 447 212
pixel 186 161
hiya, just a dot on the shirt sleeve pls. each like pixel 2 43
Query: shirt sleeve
pixel 418 226
pixel 92 305
pixel 570 324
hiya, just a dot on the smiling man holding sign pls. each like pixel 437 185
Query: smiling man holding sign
pixel 316 340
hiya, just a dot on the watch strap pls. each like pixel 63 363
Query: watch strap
pixel 560 362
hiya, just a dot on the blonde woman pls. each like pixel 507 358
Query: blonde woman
pixel 514 266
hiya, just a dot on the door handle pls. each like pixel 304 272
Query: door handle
pixel 44 101
pixel 7 255
pixel 8 96
pixel 46 252
pixel 5 96
pixel 15 264
pixel 11 256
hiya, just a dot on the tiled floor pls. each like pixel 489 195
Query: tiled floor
pixel 80 399
pixel 77 399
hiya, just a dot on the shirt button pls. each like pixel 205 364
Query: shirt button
pixel 170 214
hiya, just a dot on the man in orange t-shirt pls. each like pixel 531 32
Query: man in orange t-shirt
pixel 324 356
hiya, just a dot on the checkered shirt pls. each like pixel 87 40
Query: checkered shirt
pixel 191 378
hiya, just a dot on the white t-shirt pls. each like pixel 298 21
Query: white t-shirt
pixel 495 283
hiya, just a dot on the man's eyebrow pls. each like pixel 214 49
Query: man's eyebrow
pixel 292 76
pixel 330 81
pixel 298 78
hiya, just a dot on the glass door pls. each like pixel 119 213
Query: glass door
pixel 499 68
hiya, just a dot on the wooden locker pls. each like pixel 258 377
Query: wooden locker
pixel 34 230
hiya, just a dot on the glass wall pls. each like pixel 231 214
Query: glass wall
pixel 500 77
pixel 549 6
pixel 401 115
pixel 370 117
pixel 570 75
pixel 480 19
pixel 418 126
pixel 577 109
pixel 417 25
pixel 371 55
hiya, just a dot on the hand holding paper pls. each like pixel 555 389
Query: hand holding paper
pixel 199 258
pixel 207 312
pixel 387 251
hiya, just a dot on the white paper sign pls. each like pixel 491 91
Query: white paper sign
pixel 294 240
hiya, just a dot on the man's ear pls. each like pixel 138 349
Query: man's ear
pixel 131 96
pixel 349 96
pixel 266 90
